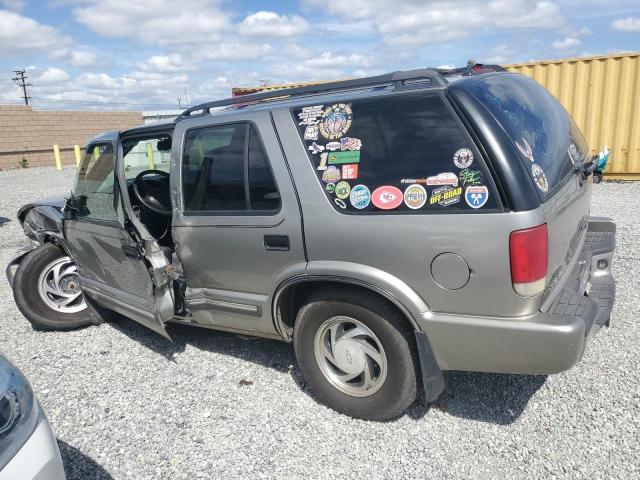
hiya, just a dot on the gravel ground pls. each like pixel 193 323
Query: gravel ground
pixel 128 404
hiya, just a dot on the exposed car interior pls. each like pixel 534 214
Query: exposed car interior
pixel 146 164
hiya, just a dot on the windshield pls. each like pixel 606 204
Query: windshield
pixel 545 136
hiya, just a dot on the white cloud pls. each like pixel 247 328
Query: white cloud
pixel 78 57
pixel 233 51
pixel 18 33
pixel 418 22
pixel 165 63
pixel 270 24
pixel 566 44
pixel 629 24
pixel 498 55
pixel 52 75
pixel 161 22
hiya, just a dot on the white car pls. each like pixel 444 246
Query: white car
pixel 28 447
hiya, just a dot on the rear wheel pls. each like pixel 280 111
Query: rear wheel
pixel 357 353
pixel 47 291
pixel 597 177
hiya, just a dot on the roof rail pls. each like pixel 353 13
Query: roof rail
pixel 402 79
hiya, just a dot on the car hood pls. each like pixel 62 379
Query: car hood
pixel 56 202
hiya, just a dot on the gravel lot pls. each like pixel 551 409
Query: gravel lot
pixel 128 404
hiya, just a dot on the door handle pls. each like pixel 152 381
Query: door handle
pixel 131 251
pixel 277 243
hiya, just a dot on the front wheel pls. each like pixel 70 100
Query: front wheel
pixel 47 291
pixel 357 353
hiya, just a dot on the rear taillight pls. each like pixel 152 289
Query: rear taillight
pixel 529 253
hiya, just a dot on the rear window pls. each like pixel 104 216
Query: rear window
pixel 547 139
pixel 399 153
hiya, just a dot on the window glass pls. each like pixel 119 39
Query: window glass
pixel 216 164
pixel 262 189
pixel 146 154
pixel 94 192
pixel 546 138
pixel 394 153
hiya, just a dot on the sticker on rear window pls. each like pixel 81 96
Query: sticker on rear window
pixel 309 115
pixel 311 132
pixel 335 121
pixel 350 143
pixel 331 175
pixel 445 196
pixel 476 196
pixel 415 196
pixel 470 177
pixel 360 197
pixel 343 189
pixel 445 178
pixel 323 161
pixel 463 158
pixel 525 148
pixel 387 197
pixel 540 178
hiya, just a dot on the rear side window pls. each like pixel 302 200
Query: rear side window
pixel 547 139
pixel 399 153
pixel 225 169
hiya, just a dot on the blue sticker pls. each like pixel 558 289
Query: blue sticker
pixel 476 196
pixel 360 197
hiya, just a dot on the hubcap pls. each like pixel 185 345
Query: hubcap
pixel 59 287
pixel 350 356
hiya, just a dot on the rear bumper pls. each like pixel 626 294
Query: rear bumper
pixel 550 341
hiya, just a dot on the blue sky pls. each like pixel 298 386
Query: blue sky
pixel 128 54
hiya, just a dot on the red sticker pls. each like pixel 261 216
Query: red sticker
pixel 387 197
pixel 350 172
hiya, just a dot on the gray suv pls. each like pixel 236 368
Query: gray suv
pixel 391 227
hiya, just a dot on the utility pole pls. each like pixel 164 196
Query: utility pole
pixel 20 80
pixel 186 96
pixel 179 101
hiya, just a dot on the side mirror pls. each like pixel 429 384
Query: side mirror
pixel 69 211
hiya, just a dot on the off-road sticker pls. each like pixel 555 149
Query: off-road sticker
pixel 445 196
pixel 343 189
pixel 331 175
pixel 470 177
pixel 331 187
pixel 476 196
pixel 335 121
pixel 311 132
pixel 525 148
pixel 360 197
pixel 315 148
pixel 344 157
pixel 387 197
pixel 309 115
pixel 350 172
pixel 446 178
pixel 415 196
pixel 323 161
pixel 333 146
pixel 540 178
pixel 463 158
pixel 350 143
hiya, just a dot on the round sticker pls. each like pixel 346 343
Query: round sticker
pixel 331 187
pixel 336 120
pixel 343 189
pixel 525 148
pixel 463 158
pixel 340 203
pixel 415 196
pixel 476 196
pixel 360 197
pixel 331 175
pixel 540 178
pixel 387 197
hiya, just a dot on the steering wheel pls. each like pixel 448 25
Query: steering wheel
pixel 153 193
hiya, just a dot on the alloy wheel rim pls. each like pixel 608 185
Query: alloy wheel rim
pixel 350 356
pixel 59 287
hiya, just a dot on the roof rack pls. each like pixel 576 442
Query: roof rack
pixel 402 80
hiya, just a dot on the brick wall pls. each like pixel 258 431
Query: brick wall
pixel 25 133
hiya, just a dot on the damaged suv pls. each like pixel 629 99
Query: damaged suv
pixel 391 227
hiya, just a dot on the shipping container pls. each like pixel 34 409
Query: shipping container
pixel 603 96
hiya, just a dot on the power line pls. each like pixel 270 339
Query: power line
pixel 20 79
pixel 92 102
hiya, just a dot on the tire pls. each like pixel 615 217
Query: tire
pixel 597 177
pixel 29 293
pixel 392 343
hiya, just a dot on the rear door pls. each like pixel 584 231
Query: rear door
pixel 120 265
pixel 237 227
pixel 550 145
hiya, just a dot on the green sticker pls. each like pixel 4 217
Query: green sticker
pixel 344 157
pixel 331 187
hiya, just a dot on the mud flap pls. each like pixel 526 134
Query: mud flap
pixel 432 379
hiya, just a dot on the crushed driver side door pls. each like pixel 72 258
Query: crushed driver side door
pixel 120 265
